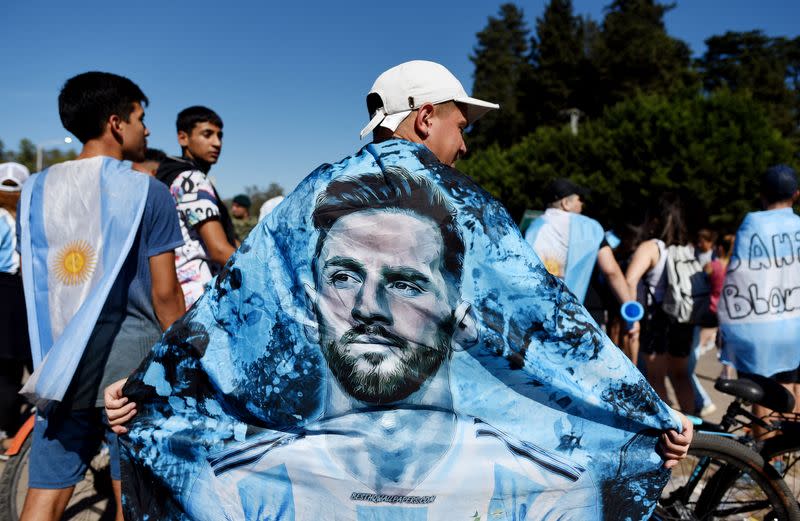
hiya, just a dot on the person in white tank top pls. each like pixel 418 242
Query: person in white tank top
pixel 665 343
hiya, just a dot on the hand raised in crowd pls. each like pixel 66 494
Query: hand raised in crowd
pixel 674 445
pixel 118 409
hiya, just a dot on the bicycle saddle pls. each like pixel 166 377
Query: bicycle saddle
pixel 760 390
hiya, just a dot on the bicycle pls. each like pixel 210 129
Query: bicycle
pixel 92 500
pixel 724 475
pixel 783 450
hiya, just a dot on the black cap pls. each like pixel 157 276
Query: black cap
pixel 779 183
pixel 242 200
pixel 561 188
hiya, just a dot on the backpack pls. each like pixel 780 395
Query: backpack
pixel 688 295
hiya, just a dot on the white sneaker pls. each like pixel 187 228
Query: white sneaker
pixel 708 409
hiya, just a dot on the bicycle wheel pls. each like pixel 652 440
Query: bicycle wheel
pixel 92 499
pixel 723 479
pixel 783 453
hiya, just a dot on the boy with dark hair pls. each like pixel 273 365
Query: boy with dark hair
pixel 97 247
pixel 208 232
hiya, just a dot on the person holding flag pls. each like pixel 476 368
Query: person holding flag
pixel 759 308
pixel 385 345
pixel 570 244
pixel 97 244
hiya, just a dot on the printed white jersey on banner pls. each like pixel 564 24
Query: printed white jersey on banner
pixel 483 474
pixel 78 222
pixel 759 309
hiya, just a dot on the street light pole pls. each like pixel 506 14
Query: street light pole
pixel 40 150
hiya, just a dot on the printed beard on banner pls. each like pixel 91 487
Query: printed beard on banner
pixel 759 308
pixel 386 345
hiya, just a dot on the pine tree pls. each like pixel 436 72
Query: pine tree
pixel 557 56
pixel 501 63
pixel 635 53
pixel 753 62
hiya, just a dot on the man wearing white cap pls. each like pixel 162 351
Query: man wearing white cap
pixel 422 102
pixel 389 434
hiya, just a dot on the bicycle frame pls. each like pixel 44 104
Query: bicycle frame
pixel 21 435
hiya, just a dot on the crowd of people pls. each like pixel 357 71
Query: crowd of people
pixel 185 235
pixel 174 235
pixel 665 344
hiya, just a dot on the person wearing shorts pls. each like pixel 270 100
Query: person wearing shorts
pixel 105 112
pixel 661 334
pixel 66 441
pixel 664 343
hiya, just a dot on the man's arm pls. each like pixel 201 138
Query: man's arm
pixel 613 273
pixel 165 289
pixel 215 241
pixel 616 280
pixel 643 260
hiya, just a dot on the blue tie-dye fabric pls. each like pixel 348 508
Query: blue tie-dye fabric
pixel 238 392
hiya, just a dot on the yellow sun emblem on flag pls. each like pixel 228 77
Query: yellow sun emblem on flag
pixel 75 263
pixel 552 266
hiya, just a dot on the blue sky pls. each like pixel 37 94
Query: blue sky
pixel 289 79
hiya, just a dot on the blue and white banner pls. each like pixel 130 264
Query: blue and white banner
pixel 386 346
pixel 567 243
pixel 78 221
pixel 759 308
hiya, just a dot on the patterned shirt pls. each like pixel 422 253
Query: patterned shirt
pixel 196 202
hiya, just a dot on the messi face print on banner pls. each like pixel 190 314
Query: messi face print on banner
pixel 385 345
pixel 387 270
pixel 386 303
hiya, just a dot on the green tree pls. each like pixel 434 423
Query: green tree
pixel 26 155
pixel 710 150
pixel 634 53
pixel 258 195
pixel 559 59
pixel 501 64
pixel 766 67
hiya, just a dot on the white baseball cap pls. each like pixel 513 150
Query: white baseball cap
pixel 12 176
pixel 410 85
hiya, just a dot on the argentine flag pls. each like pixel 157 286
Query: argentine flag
pixel 78 221
pixel 759 308
pixel 567 244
